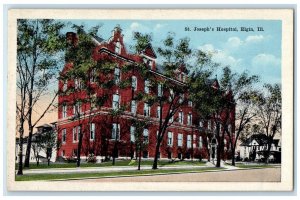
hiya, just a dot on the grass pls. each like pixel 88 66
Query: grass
pixel 253 166
pixel 118 163
pixel 39 177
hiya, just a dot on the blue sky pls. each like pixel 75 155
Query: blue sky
pixel 259 52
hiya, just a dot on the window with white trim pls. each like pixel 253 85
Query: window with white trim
pixel 134 83
pixel 118 47
pixel 170 139
pixel 181 98
pixel 201 123
pixel 133 107
pixel 117 75
pixel 159 90
pixel 172 117
pixel 200 142
pixel 64 111
pixel 180 117
pixel 116 100
pixel 92 131
pixel 76 131
pixel 189 141
pixel 180 137
pixel 93 76
pixel 146 110
pixel 158 112
pixel 65 85
pixel 190 103
pixel 147 84
pixel 78 84
pixel 64 135
pixel 146 135
pixel 115 131
pixel 189 119
pixel 209 125
pixel 171 97
pixel 132 134
pixel 77 108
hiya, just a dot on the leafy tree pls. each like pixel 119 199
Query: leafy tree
pixel 141 141
pixel 39 46
pixel 269 113
pixel 88 75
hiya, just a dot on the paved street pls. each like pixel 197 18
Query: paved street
pixel 246 175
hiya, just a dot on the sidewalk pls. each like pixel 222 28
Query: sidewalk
pixel 107 169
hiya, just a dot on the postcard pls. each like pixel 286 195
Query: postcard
pixel 150 100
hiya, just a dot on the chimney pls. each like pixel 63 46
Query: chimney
pixel 71 38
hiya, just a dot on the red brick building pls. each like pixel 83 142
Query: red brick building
pixel 187 137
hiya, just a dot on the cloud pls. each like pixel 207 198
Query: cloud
pixel 221 56
pixel 254 38
pixel 159 26
pixel 233 42
pixel 134 27
pixel 266 60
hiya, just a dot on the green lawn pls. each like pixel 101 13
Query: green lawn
pixel 254 166
pixel 38 177
pixel 118 163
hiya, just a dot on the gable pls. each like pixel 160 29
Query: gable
pixel 149 51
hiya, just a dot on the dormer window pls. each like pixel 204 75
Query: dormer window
pixel 118 47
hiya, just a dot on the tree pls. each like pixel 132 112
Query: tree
pixel 39 44
pixel 49 143
pixel 269 114
pixel 141 136
pixel 244 96
pixel 88 75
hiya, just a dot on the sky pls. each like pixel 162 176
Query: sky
pixel 258 52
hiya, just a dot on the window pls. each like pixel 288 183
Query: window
pixel 146 135
pixel 172 117
pixel 201 123
pixel 64 111
pixel 133 107
pixel 64 136
pixel 209 125
pixel 146 110
pixel 115 104
pixel 181 98
pixel 180 137
pixel 190 103
pixel 159 90
pixel 77 108
pixel 65 85
pixel 117 75
pixel 76 131
pixel 180 117
pixel 147 84
pixel 200 142
pixel 118 47
pixel 189 119
pixel 171 97
pixel 158 112
pixel 78 84
pixel 94 101
pixel 132 133
pixel 63 153
pixel 189 141
pixel 93 76
pixel 225 142
pixel 92 131
pixel 134 83
pixel 229 128
pixel 75 152
pixel 170 138
pixel 115 131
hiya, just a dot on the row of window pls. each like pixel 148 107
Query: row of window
pixel 116 135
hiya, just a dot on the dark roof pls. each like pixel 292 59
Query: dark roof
pixel 260 138
pixel 44 126
pixel 99 39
